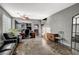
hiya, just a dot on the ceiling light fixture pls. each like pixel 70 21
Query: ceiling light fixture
pixel 24 17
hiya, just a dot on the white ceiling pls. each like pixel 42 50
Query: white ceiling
pixel 34 10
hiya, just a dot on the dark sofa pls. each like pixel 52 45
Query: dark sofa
pixel 9 45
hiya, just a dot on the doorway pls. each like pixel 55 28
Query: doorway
pixel 75 32
pixel 36 29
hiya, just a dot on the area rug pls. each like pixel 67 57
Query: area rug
pixel 38 46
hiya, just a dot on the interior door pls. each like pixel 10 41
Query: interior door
pixel 75 33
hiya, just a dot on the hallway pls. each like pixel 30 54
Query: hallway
pixel 38 46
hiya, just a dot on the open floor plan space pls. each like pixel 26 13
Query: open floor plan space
pixel 39 28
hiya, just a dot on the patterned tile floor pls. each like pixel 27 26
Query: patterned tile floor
pixel 38 46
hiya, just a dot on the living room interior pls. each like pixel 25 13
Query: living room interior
pixel 39 28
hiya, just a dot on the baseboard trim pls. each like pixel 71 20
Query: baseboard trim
pixel 66 44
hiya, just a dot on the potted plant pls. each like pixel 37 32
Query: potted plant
pixel 14 31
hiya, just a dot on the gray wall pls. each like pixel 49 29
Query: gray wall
pixel 62 21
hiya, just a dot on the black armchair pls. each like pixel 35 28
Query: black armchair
pixel 9 38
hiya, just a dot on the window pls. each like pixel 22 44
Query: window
pixel 6 23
